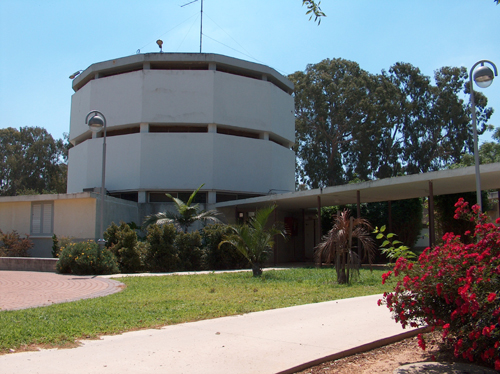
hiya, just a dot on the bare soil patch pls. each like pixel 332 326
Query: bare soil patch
pixel 388 358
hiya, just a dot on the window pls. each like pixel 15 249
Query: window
pixel 42 218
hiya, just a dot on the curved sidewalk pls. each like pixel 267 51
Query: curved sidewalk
pixel 25 289
pixel 276 341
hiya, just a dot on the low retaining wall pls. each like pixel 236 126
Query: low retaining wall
pixel 28 264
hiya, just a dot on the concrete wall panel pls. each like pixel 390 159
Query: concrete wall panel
pixel 15 216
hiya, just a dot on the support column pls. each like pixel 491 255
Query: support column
pixel 142 197
pixel 389 216
pixel 275 249
pixel 358 201
pixel 498 197
pixel 432 232
pixel 212 128
pixel 211 197
pixel 144 127
pixel 303 253
pixel 319 220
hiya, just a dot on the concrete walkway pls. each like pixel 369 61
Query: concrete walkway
pixel 276 341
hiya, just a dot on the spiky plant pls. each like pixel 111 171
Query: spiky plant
pixel 254 240
pixel 186 214
pixel 337 246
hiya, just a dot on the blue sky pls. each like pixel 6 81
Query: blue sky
pixel 43 42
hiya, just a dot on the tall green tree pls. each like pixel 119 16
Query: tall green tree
pixel 31 159
pixel 489 152
pixel 354 125
pixel 330 105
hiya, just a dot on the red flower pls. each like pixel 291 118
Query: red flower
pixel 421 342
pixel 491 297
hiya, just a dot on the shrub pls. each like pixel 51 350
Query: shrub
pixel 406 219
pixel 58 243
pixel 122 242
pixel 85 258
pixel 224 257
pixel 444 208
pixel 188 246
pixel 455 287
pixel 161 255
pixel 12 245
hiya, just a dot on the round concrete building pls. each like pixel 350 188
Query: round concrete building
pixel 175 121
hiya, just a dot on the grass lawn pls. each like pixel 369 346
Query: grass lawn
pixel 158 301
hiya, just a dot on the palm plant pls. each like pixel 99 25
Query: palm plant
pixel 337 246
pixel 254 240
pixel 186 214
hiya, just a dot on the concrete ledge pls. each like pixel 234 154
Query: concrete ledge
pixel 28 264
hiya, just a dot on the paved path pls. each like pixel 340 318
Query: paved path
pixel 275 341
pixel 25 289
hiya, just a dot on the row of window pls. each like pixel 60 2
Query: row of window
pixel 135 129
pixel 200 198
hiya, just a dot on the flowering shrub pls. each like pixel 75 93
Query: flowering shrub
pixel 455 287
pixel 84 258
pixel 12 245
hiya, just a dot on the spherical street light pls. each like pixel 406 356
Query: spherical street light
pixel 97 122
pixel 483 78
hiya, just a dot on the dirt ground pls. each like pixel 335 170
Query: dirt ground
pixel 388 358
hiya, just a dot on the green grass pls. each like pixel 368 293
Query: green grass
pixel 158 301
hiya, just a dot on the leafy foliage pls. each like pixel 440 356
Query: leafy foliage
pixel 122 242
pixel 351 124
pixel 455 287
pixel 12 245
pixel 85 258
pixel 337 246
pixel 254 240
pixel 314 10
pixel 186 214
pixel 32 160
pixel 161 255
pixel 444 208
pixel 220 257
pixel 406 219
pixel 188 246
pixel 393 248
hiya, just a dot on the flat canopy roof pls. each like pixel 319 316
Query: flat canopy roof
pixel 390 189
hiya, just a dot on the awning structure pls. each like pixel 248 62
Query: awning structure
pixel 389 189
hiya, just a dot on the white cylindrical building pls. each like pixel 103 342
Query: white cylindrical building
pixel 177 120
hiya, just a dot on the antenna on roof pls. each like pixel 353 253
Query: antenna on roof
pixel 75 74
pixel 160 44
pixel 201 19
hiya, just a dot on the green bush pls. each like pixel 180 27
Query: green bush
pixel 224 258
pixel 161 255
pixel 406 216
pixel 122 242
pixel 188 246
pixel 85 258
pixel 58 243
pixel 12 245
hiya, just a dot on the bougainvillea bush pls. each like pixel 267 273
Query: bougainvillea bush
pixel 454 287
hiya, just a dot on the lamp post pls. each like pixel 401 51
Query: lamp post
pixel 483 78
pixel 97 122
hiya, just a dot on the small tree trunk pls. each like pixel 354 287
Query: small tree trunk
pixel 256 269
